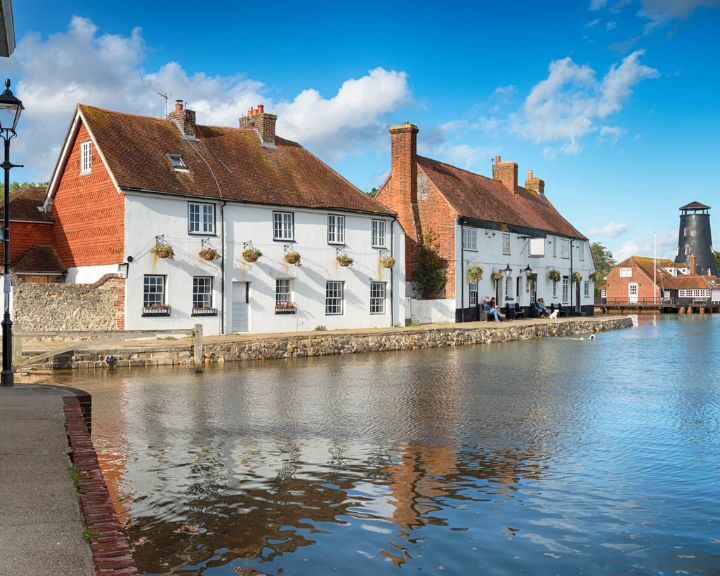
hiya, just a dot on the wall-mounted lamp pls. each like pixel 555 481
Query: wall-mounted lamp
pixel 527 270
pixel 507 271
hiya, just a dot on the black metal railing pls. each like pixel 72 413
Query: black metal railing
pixel 156 310
pixel 204 311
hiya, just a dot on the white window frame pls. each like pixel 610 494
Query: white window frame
pixel 555 289
pixel 162 301
pixel 508 287
pixel 283 226
pixel 202 294
pixel 204 225
pixel 378 291
pixel 334 298
pixel 565 248
pixel 473 294
pixel 506 244
pixel 86 157
pixel 336 229
pixel 378 233
pixel 470 239
pixel 586 289
pixel 565 289
pixel 581 248
pixel 555 241
pixel 177 162
pixel 625 273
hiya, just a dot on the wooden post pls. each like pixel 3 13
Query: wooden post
pixel 198 348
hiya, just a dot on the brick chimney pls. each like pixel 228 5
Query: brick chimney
pixel 263 123
pixel 506 173
pixel 535 184
pixel 184 119
pixel 692 264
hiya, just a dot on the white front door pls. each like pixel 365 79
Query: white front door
pixel 240 306
pixel 633 292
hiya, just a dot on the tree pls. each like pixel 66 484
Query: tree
pixel 604 262
pixel 430 275
pixel 19 187
pixel 373 192
pixel 717 257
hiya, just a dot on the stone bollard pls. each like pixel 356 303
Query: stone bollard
pixel 198 348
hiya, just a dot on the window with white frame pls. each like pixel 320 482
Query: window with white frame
pixel 473 293
pixel 565 248
pixel 377 297
pixel 283 226
pixel 470 236
pixel 565 289
pixel 153 291
pixel 378 233
pixel 506 243
pixel 177 162
pixel 284 302
pixel 518 286
pixel 555 244
pixel 687 250
pixel 86 157
pixel 201 218
pixel 334 297
pixel 336 229
pixel 581 250
pixel 695 293
pixel 687 232
pixel 625 272
pixel 202 292
pixel 508 288
pixel 586 290
pixel 555 285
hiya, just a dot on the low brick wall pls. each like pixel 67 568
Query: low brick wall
pixel 109 544
pixel 241 348
pixel 47 307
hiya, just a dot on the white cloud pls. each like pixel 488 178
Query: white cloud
pixel 567 105
pixel 611 25
pixel 661 11
pixel 106 70
pixel 597 5
pixel 665 242
pixel 609 230
pixel 610 133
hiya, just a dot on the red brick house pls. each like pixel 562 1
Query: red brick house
pixel 492 223
pixel 32 255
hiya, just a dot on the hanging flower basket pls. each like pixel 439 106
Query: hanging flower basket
pixel 532 277
pixel 344 260
pixel 554 275
pixel 292 257
pixel 163 250
pixel 251 254
pixel 577 277
pixel 208 253
pixel 474 273
pixel 497 275
pixel 387 261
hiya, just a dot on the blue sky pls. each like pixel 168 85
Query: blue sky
pixel 613 102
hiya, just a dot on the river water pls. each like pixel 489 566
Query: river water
pixel 561 456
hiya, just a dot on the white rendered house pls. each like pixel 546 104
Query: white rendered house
pixel 183 210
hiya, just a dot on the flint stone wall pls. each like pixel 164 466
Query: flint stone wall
pixel 50 307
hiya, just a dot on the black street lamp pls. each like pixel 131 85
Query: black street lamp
pixel 10 109
pixel 507 271
pixel 527 271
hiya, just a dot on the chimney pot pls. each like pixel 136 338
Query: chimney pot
pixel 497 159
pixel 261 108
pixel 262 122
pixel 530 174
pixel 179 105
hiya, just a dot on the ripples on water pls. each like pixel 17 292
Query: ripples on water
pixel 551 457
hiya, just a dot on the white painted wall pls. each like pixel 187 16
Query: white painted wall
pixel 490 257
pixel 89 274
pixel 147 216
pixel 430 311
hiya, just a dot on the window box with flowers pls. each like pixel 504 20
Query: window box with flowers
pixel 285 307
pixel 156 310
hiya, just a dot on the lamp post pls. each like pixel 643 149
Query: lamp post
pixel 10 109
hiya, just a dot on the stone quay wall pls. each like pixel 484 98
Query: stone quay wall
pixel 60 307
pixel 243 348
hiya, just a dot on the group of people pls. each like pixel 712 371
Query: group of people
pixel 493 310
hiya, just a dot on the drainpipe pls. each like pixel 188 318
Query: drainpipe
pixel 222 266
pixel 462 268
pixel 392 278
pixel 572 309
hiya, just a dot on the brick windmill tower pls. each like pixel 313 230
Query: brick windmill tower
pixel 695 239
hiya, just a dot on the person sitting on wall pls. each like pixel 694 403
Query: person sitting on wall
pixel 542 310
pixel 493 310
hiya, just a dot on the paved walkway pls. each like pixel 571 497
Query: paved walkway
pixel 41 526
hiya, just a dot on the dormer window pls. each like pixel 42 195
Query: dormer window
pixel 177 162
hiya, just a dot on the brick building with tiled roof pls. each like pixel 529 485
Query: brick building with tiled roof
pixel 508 230
pixel 128 191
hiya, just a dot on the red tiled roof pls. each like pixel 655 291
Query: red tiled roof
pixel 482 198
pixel 24 205
pixel 228 163
pixel 667 280
pixel 40 259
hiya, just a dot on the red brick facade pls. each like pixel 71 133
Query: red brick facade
pixel 89 213
pixel 420 206
pixel 617 286
pixel 25 235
